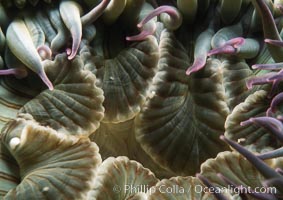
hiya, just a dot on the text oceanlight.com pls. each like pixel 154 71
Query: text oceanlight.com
pixel 176 189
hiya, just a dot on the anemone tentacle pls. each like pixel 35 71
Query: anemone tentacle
pixel 273 125
pixel 269 28
pixel 217 194
pixel 96 12
pixel 202 48
pixel 20 43
pixel 147 29
pixel 70 12
pixel 62 35
pixel 258 163
pixel 271 154
pixel 113 10
pixel 172 20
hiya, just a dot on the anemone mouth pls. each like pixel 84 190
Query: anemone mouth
pixel 113 42
pixel 127 75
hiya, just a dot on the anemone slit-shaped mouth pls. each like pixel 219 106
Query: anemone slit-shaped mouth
pixel 124 70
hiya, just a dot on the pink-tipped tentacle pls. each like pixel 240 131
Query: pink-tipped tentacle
pixel 276 77
pixel 273 125
pixel 279 170
pixel 68 51
pixel 274 42
pixel 76 35
pixel 198 64
pixel 236 42
pixel 44 52
pixel 271 66
pixel 246 122
pixel 146 31
pixel 275 101
pixel 226 49
pixel 95 13
pixel 161 9
pixel 17 72
pixel 229 47
pixel 46 80
pixel 259 80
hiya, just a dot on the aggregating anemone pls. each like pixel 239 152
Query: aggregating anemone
pixel 141 99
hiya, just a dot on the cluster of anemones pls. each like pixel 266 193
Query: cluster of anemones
pixel 33 46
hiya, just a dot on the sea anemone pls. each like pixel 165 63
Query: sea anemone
pixel 141 99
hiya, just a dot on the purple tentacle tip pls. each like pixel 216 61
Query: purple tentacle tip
pixel 271 154
pixel 236 42
pixel 247 122
pixel 149 29
pixel 217 194
pixel 46 80
pixel 68 51
pixel 95 13
pixel 226 49
pixel 259 80
pixel 74 50
pixel 44 52
pixel 279 170
pixel 276 101
pixel 261 166
pixel 274 42
pixel 198 64
pixel 271 66
pixel 159 10
pixel 230 47
pixel 273 125
pixel 17 72
pixel 145 31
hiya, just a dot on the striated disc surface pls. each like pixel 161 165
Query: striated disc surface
pixel 116 178
pixel 118 139
pixel 9 171
pixel 235 74
pixel 237 169
pixel 251 135
pixel 124 78
pixel 11 100
pixel 51 164
pixel 180 124
pixel 75 105
pixel 179 188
